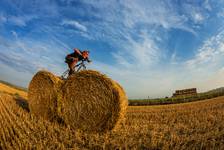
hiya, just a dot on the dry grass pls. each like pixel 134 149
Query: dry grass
pixel 196 125
pixel 7 89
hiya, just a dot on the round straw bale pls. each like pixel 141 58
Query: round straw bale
pixel 123 102
pixel 43 94
pixel 92 101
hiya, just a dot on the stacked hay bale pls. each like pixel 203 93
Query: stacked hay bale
pixel 87 100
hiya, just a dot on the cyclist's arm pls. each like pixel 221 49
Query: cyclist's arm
pixel 78 51
pixel 88 60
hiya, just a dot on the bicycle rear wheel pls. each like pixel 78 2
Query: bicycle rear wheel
pixel 65 74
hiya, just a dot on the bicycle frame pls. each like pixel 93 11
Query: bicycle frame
pixel 80 66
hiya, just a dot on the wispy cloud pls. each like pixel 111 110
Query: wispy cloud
pixel 195 13
pixel 148 13
pixel 156 13
pixel 207 5
pixel 28 55
pixel 142 53
pixel 209 52
pixel 74 24
pixel 221 13
pixel 20 21
pixel 3 19
pixel 43 8
pixel 17 21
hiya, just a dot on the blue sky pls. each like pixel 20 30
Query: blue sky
pixel 151 47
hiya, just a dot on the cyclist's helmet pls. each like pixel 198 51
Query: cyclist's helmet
pixel 85 53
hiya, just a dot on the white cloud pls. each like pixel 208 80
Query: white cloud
pixel 152 12
pixel 141 53
pixel 207 5
pixel 174 58
pixel 29 55
pixel 209 52
pixel 20 21
pixel 195 13
pixel 198 17
pixel 3 19
pixel 41 8
pixel 133 13
pixel 51 32
pixel 14 34
pixel 74 24
pixel 221 13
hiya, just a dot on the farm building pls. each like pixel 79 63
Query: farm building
pixel 185 92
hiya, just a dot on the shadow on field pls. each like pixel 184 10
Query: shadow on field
pixel 21 102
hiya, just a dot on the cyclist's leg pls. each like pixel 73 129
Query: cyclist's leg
pixel 72 65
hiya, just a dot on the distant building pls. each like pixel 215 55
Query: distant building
pixel 185 92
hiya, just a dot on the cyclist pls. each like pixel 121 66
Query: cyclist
pixel 73 58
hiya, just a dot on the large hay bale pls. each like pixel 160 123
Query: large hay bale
pixel 87 100
pixel 92 102
pixel 43 94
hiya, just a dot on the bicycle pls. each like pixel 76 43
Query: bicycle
pixel 80 66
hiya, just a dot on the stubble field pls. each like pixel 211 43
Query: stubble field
pixel 196 125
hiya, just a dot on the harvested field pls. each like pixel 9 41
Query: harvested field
pixel 196 125
pixel 10 90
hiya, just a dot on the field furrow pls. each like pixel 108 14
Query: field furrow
pixel 14 132
pixel 18 119
pixel 5 132
pixel 23 138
